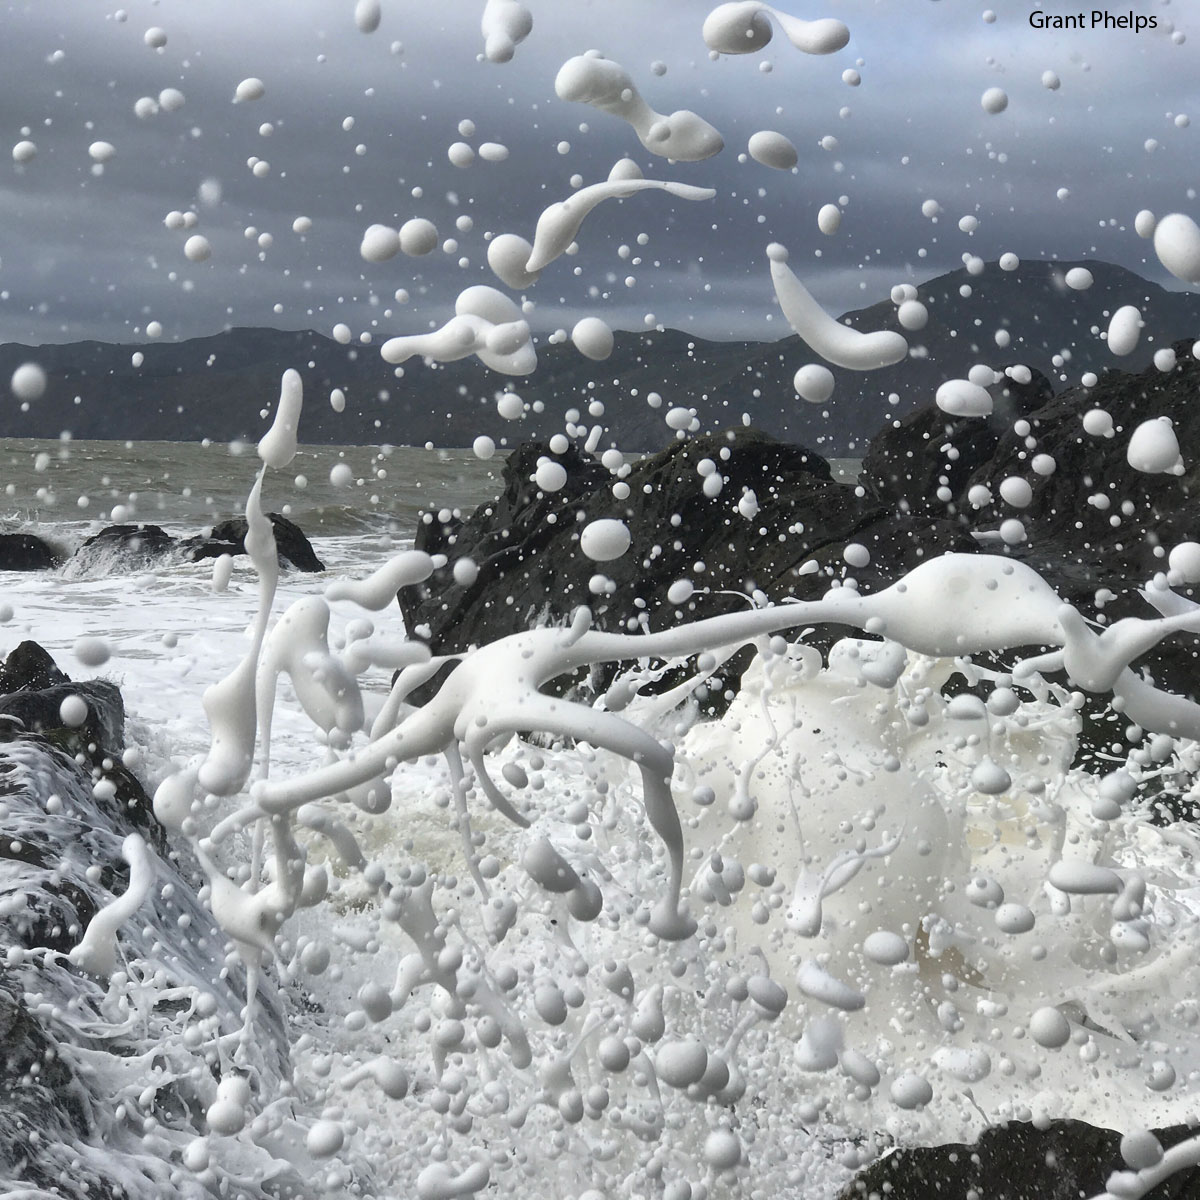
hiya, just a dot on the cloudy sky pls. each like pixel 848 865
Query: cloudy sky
pixel 355 129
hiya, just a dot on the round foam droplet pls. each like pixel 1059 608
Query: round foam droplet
pixel 92 651
pixel 593 338
pixel 197 248
pixel 885 948
pixel 484 447
pixel 367 15
pixel 1079 278
pixel 772 149
pixel 28 381
pixel 1184 559
pixel 1048 1027
pixel 1014 918
pixel 962 398
pixel 722 1150
pixel 605 540
pixel 1177 244
pixel 1153 447
pixel 911 1090
pixel 1125 330
pixel 379 243
pixel 829 219
pixel 325 1138
pixel 1141 1150
pixel 550 476
pixel 994 100
pixel 73 711
pixel 418 236
pixel 250 89
pixel 681 1063
pixel 814 383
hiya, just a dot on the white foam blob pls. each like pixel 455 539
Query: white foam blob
pixel 487 324
pixel 836 343
pixel 28 381
pixel 742 27
pixel 605 539
pixel 829 219
pixel 1184 561
pixel 913 315
pixel 250 89
pixel 379 243
pixel 994 100
pixel 505 24
pixel 772 149
pixel 278 445
pixel 418 236
pixel 606 85
pixel 24 151
pixel 367 15
pixel 197 248
pixel 1125 329
pixel 1177 244
pixel 559 223
pixel 1154 448
pixel 814 383
pixel 962 398
pixel 1144 223
pixel 101 151
pixel 593 338
pixel 1079 278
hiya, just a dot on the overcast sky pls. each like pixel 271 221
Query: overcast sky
pixel 85 253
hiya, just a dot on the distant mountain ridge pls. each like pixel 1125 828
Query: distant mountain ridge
pixel 218 386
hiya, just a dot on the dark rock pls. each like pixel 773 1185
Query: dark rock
pixel 120 548
pixel 912 457
pixel 65 1045
pixel 1066 1161
pixel 28 666
pixel 25 552
pixel 229 537
pixel 531 569
pixel 40 711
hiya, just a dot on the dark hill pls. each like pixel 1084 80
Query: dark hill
pixel 219 386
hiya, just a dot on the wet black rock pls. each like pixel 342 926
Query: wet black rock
pixel 25 552
pixel 143 547
pixel 229 537
pixel 912 457
pixel 68 807
pixel 779 525
pixel 1064 1161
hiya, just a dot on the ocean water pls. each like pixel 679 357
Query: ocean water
pixel 864 859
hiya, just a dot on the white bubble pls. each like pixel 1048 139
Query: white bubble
pixel 484 447
pixel 829 219
pixel 155 38
pixel 1098 422
pixel 92 651
pixel 681 591
pixel 1048 1027
pixel 101 151
pixel 1079 278
pixel 814 383
pixel 250 89
pixel 379 243
pixel 1125 330
pixel 1144 223
pixel 772 149
pixel 1154 448
pixel 197 248
pixel 367 15
pixel 1016 491
pixel 994 100
pixel 856 554
pixel 1177 244
pixel 550 476
pixel 171 99
pixel 418 236
pixel 341 475
pixel 1051 81
pixel 460 154
pixel 510 406
pixel 28 381
pixel 593 338
pixel 73 711
pixel 302 225
pixel 885 948
pixel 605 539
pixel 1009 262
pixel 24 151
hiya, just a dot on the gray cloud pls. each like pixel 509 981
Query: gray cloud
pixel 87 255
